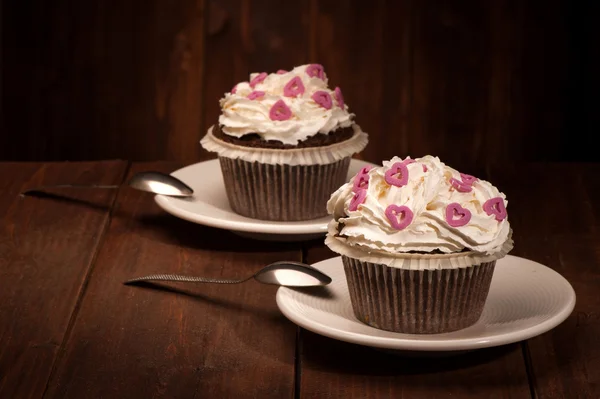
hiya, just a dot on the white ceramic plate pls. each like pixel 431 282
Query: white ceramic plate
pixel 209 206
pixel 526 299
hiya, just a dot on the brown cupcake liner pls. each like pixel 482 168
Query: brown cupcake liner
pixel 417 301
pixel 281 192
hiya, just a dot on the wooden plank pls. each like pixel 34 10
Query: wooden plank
pixel 450 79
pixel 582 115
pixel 543 132
pixel 331 369
pixel 192 341
pixel 396 77
pixel 131 80
pixel 250 36
pixel 98 80
pixel 347 38
pixel 559 226
pixel 178 96
pixel 47 247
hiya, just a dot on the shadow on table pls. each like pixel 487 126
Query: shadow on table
pixel 172 230
pixel 233 317
pixel 241 307
pixel 98 204
pixel 327 354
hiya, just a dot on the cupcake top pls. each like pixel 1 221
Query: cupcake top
pixel 421 206
pixel 284 106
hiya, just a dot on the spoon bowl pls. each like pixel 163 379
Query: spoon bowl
pixel 292 274
pixel 160 183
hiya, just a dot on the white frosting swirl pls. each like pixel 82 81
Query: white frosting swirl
pixel 241 116
pixel 427 194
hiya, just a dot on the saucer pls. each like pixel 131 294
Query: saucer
pixel 209 206
pixel 526 299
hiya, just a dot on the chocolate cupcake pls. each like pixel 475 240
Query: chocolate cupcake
pixel 419 242
pixel 284 142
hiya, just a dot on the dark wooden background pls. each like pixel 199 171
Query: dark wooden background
pixel 471 81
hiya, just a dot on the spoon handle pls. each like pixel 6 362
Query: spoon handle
pixel 43 188
pixel 189 279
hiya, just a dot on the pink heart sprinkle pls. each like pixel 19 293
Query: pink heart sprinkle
pixel 280 111
pixel 294 87
pixel 424 168
pixel 256 94
pixel 357 199
pixel 258 79
pixel 316 70
pixel 234 90
pixel 468 179
pixel 456 215
pixel 495 206
pixel 400 216
pixel 460 186
pixel 397 168
pixel 361 182
pixel 339 97
pixel 365 170
pixel 281 72
pixel 323 99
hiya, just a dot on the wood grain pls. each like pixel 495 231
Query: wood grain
pixel 47 247
pixel 352 58
pixel 69 328
pixel 341 370
pixel 193 341
pixel 557 223
pixel 178 97
pixel 468 81
pixel 99 80
pixel 457 81
pixel 396 80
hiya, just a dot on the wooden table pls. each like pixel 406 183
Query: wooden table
pixel 69 328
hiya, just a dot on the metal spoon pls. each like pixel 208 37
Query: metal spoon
pixel 160 183
pixel 153 182
pixel 284 273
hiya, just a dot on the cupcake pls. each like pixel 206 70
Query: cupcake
pixel 284 142
pixel 419 242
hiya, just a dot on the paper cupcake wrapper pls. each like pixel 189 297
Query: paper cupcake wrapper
pixel 414 261
pixel 281 192
pixel 417 301
pixel 299 156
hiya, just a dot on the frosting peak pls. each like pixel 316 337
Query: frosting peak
pixel 420 205
pixel 313 107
